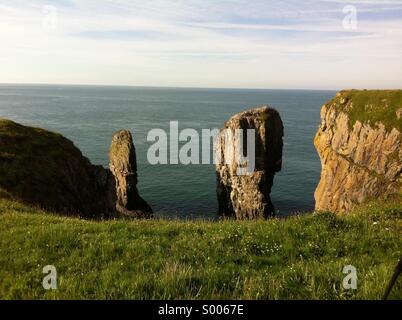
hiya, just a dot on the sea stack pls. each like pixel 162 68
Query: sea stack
pixel 247 196
pixel 123 165
pixel 360 146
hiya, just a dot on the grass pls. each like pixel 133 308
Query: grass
pixel 35 156
pixel 371 106
pixel 296 258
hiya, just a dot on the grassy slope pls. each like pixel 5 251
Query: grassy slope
pixel 371 105
pixel 297 258
pixel 31 161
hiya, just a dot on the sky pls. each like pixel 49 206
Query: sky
pixel 320 44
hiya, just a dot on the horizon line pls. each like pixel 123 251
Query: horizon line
pixel 160 86
pixel 185 87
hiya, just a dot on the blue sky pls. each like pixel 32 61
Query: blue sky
pixel 203 43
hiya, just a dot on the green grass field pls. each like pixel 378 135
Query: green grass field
pixel 295 258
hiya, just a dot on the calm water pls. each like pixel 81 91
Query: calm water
pixel 90 115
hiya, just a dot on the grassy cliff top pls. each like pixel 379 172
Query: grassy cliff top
pixel 41 167
pixel 371 106
pixel 296 258
pixel 30 162
pixel 17 140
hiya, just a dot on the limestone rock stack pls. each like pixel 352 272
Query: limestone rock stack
pixel 247 196
pixel 123 165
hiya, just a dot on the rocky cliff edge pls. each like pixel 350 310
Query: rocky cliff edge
pixel 359 143
pixel 45 169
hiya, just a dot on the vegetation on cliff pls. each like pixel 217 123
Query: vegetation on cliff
pixel 296 258
pixel 359 144
pixel 44 168
pixel 19 146
pixel 371 106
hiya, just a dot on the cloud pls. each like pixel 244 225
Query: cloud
pixel 201 43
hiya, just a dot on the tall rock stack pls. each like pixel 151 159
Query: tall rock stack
pixel 360 146
pixel 123 165
pixel 247 196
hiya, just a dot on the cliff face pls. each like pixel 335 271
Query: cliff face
pixel 46 169
pixel 359 143
pixel 247 196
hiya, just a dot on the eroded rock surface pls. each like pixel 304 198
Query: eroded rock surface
pixel 360 159
pixel 248 196
pixel 123 165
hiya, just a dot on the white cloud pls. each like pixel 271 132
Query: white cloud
pixel 200 43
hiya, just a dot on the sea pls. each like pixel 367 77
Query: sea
pixel 89 115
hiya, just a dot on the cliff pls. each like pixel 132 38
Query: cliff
pixel 359 143
pixel 247 196
pixel 43 168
